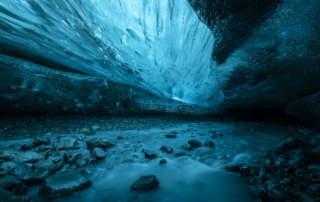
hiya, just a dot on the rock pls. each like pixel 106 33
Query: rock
pixel 79 158
pixel 314 168
pixel 209 144
pixel 120 138
pixel 101 143
pixel 245 170
pixel 41 141
pixel 149 154
pixel 62 185
pixel 256 191
pixel 56 156
pixel 277 195
pixel 80 137
pixel 171 136
pixel 292 143
pixel 13 185
pixel 43 163
pixel 41 173
pixel 8 155
pixel 7 196
pixel 95 128
pixel 179 154
pixel 214 136
pixel 233 167
pixel 162 161
pixel 145 183
pixel 315 140
pixel 98 153
pixel 167 148
pixel 314 190
pixel 84 130
pixel 91 133
pixel 21 171
pixel 27 146
pixel 64 143
pixel 292 192
pixel 72 148
pixel 65 169
pixel 27 199
pixel 27 157
pixel 47 154
pixel 3 173
pixel 187 146
pixel 194 143
pixel 92 161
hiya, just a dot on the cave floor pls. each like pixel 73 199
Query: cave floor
pixel 188 175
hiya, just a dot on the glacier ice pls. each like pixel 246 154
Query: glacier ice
pixel 160 46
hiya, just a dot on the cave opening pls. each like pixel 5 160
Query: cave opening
pixel 150 100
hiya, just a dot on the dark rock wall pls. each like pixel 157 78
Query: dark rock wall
pixel 268 51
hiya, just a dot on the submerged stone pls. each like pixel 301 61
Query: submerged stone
pixel 145 183
pixel 167 148
pixel 194 143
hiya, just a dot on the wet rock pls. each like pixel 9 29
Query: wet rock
pixel 41 141
pixel 8 155
pixel 47 154
pixel 245 170
pixel 277 195
pixel 41 173
pixel 65 169
pixel 162 161
pixel 214 136
pixel 233 167
pixel 62 185
pixel 314 168
pixel 313 190
pixel 27 199
pixel 171 136
pixel 56 156
pixel 292 192
pixel 187 146
pixel 27 157
pixel 43 163
pixel 194 143
pixel 256 191
pixel 179 154
pixel 212 131
pixel 167 148
pixel 84 130
pixel 80 137
pixel 292 143
pixel 91 133
pixel 21 171
pixel 98 153
pixel 120 138
pixel 209 144
pixel 95 128
pixel 7 196
pixel 145 183
pixel 13 185
pixel 92 161
pixel 64 143
pixel 27 146
pixel 79 158
pixel 3 173
pixel 149 154
pixel 101 143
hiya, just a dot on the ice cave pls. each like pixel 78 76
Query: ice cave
pixel 160 100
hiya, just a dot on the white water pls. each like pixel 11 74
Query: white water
pixel 200 177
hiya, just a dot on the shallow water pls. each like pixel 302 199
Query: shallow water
pixel 199 176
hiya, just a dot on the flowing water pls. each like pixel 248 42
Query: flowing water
pixel 198 176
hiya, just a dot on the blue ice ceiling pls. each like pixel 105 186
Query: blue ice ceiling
pixel 158 45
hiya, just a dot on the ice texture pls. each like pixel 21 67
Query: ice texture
pixel 158 45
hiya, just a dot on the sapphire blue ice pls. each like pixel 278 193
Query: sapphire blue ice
pixel 160 46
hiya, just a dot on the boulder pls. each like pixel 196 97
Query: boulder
pixel 149 154
pixel 7 196
pixel 8 155
pixel 245 170
pixel 145 183
pixel 209 144
pixel 314 190
pixel 101 143
pixel 43 163
pixel 64 143
pixel 98 153
pixel 62 185
pixel 233 167
pixel 21 171
pixel 27 146
pixel 167 148
pixel 27 157
pixel 292 143
pixel 162 161
pixel 194 143
pixel 14 185
pixel 41 141
pixel 79 158
pixel 187 146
